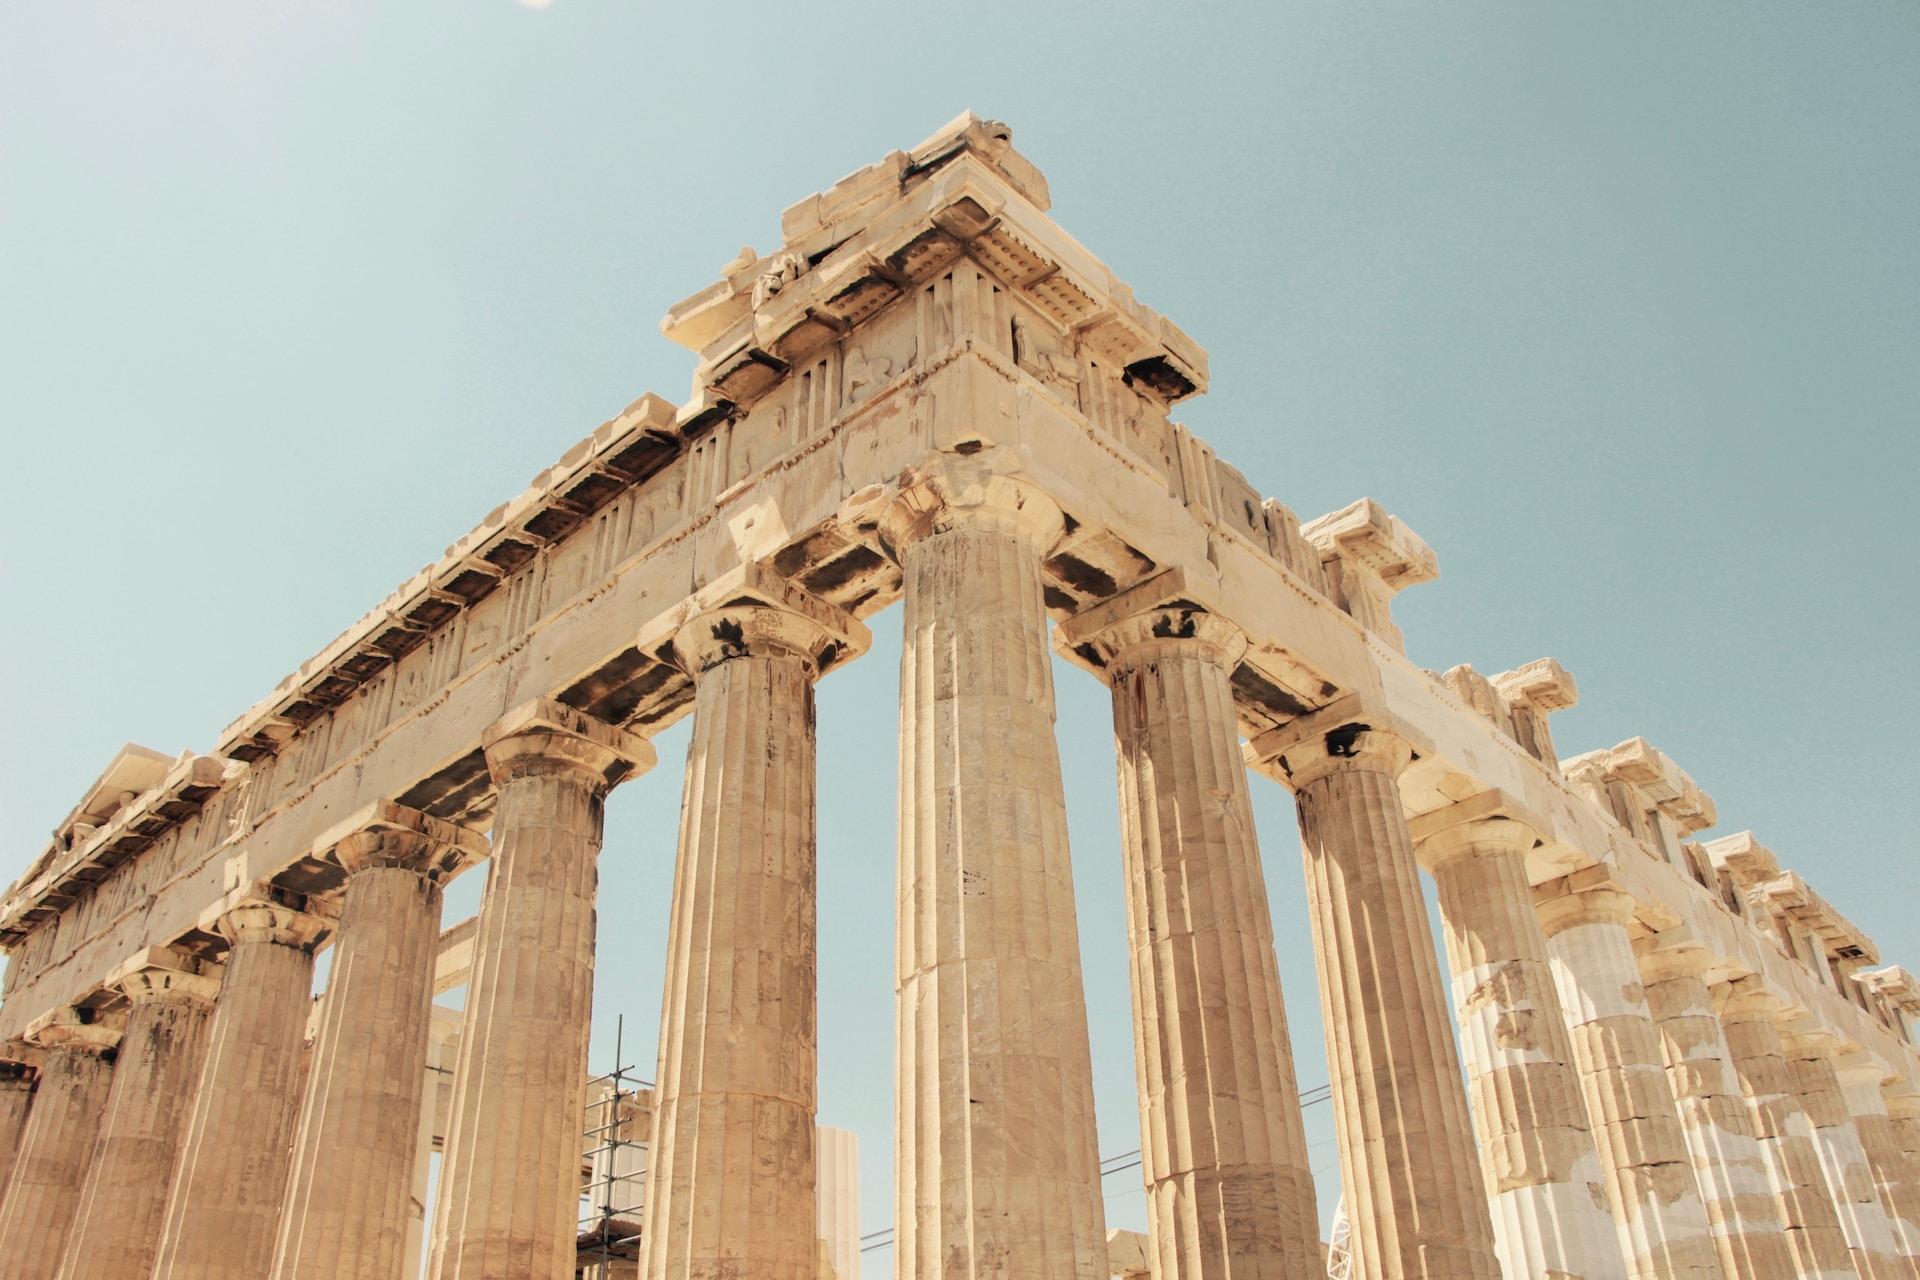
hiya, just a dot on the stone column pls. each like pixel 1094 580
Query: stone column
pixel 1863 1219
pixel 224 1210
pixel 1545 1186
pixel 1636 1123
pixel 1743 1211
pixel 1224 1153
pixel 510 1180
pixel 731 1173
pixel 16 1100
pixel 57 1144
pixel 348 1203
pixel 1747 1013
pixel 1895 1178
pixel 1414 1192
pixel 123 1203
pixel 997 1168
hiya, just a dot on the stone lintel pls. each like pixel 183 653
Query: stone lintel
pixel 453 958
pixel 614 752
pixel 1485 806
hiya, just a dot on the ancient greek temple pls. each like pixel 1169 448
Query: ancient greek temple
pixel 1673 1057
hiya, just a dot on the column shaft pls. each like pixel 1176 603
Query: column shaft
pixel 55 1150
pixel 1229 1185
pixel 1786 1135
pixel 349 1200
pixel 1411 1178
pixel 224 1209
pixel 1893 1175
pixel 1735 1182
pixel 997 1166
pixel 1850 1181
pixel 1664 1231
pixel 123 1203
pixel 732 1172
pixel 16 1100
pixel 1545 1187
pixel 510 1181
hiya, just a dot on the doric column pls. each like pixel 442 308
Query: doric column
pixel 116 1227
pixel 731 1173
pixel 997 1168
pixel 57 1144
pixel 1545 1186
pixel 349 1196
pixel 1224 1152
pixel 224 1210
pixel 1743 1210
pixel 1895 1178
pixel 1635 1122
pixel 1747 1013
pixel 16 1100
pixel 510 1179
pixel 1414 1193
pixel 1863 1219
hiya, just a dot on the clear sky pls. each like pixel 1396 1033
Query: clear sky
pixel 1617 305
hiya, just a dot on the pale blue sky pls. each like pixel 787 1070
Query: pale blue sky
pixel 1617 305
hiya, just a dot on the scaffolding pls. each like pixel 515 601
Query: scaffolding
pixel 619 1111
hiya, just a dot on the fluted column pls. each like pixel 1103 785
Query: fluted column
pixel 224 1209
pixel 1545 1187
pixel 116 1228
pixel 16 1100
pixel 57 1144
pixel 348 1203
pixel 1894 1176
pixel 1411 1178
pixel 730 1188
pixel 510 1179
pixel 1636 1124
pixel 1863 1219
pixel 1812 1224
pixel 1743 1211
pixel 997 1170
pixel 1230 1191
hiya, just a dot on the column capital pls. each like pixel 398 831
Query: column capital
pixel 544 736
pixel 1747 1000
pixel 160 973
pixel 261 911
pixel 764 614
pixel 975 491
pixel 75 1030
pixel 1340 736
pixel 386 834
pixel 1168 613
pixel 1568 903
pixel 1662 960
pixel 1479 824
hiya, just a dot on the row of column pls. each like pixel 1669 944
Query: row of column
pixel 1626 1118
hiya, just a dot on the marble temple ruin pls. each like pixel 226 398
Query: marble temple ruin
pixel 1673 1058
